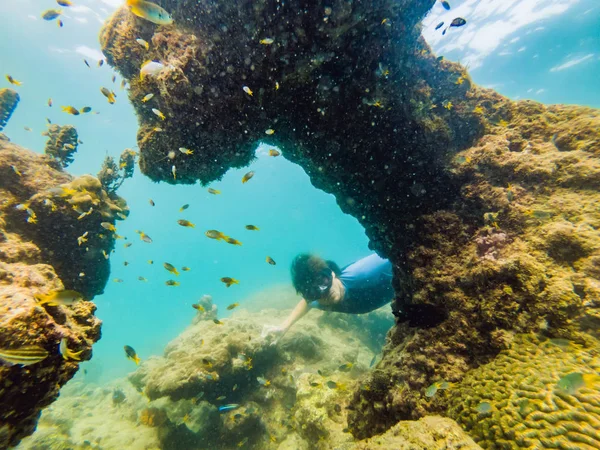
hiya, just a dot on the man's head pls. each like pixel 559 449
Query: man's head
pixel 312 276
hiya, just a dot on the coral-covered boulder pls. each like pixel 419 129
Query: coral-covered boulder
pixel 516 400
pixel 40 253
pixel 486 207
pixel 428 433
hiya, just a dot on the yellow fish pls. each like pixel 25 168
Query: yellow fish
pixel 270 260
pixel 229 281
pixel 83 238
pixel 246 177
pixel 151 69
pixel 109 95
pixel 25 356
pixel 174 172
pixel 185 268
pixel 108 226
pixel 186 151
pixel 186 223
pixel 147 97
pixel 213 191
pixel 233 241
pixel 172 283
pixel 70 110
pixel 215 234
pixel 270 131
pixel 158 113
pixel 56 298
pixel 11 80
pixel 131 354
pixel 252 227
pixel 199 307
pixel 248 91
pixel 64 2
pixel 232 306
pixel 267 41
pixel 85 109
pixel 143 43
pixel 144 237
pixel 171 268
pixel 184 207
pixel 150 11
pixel 51 14
pixel 66 353
pixel 274 152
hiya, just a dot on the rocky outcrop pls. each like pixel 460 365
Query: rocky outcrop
pixel 484 205
pixel 290 396
pixel 428 433
pixel 9 99
pixel 40 222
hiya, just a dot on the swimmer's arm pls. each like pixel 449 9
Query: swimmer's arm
pixel 298 313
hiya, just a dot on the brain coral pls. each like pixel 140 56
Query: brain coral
pixel 528 410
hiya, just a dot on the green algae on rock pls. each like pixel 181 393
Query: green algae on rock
pixel 528 409
pixel 62 144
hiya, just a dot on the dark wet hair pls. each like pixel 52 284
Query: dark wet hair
pixel 311 275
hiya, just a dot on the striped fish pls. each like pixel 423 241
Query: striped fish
pixel 26 356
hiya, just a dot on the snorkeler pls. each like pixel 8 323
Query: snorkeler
pixel 358 288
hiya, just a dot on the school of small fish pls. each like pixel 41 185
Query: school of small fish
pixel 33 354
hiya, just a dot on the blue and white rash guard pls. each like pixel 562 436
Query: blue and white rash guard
pixel 368 284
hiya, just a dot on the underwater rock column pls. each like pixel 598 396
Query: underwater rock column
pixel 9 99
pixel 44 248
pixel 484 205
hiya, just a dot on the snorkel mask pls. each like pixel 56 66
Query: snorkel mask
pixel 320 288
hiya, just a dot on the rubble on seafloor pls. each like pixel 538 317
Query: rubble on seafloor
pixel 485 206
pixel 293 395
pixel 40 222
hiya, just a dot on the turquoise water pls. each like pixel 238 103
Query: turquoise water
pixel 279 200
pixel 560 63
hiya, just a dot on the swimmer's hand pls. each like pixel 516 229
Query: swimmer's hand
pixel 272 334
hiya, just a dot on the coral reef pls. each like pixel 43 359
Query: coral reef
pixel 112 176
pixel 62 143
pixel 528 409
pixel 428 433
pixel 485 206
pixel 9 99
pixel 85 417
pixel 39 253
pixel 282 390
pixel 293 407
